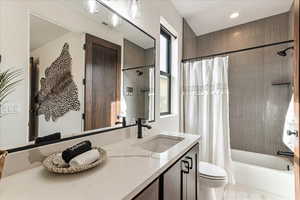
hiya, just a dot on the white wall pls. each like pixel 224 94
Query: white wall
pixel 15 54
pixel 149 19
pixel 71 122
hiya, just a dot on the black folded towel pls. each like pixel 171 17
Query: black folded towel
pixel 48 138
pixel 76 150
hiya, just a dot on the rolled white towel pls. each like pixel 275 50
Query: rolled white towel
pixel 85 158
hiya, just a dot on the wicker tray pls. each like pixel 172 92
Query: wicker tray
pixel 54 163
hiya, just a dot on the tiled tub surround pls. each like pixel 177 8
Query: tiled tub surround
pixel 128 170
pixel 257 108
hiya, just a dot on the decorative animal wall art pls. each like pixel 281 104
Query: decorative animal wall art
pixel 59 93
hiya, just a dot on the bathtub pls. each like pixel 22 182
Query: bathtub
pixel 268 173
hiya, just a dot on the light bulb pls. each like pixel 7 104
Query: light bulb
pixel 134 8
pixel 92 4
pixel 234 15
pixel 115 20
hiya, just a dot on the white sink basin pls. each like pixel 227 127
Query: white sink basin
pixel 160 143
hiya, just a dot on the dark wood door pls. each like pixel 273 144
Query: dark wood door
pixel 296 93
pixel 33 119
pixel 102 87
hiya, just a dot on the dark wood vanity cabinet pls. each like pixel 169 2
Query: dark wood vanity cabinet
pixel 179 182
pixel 151 192
pixel 191 177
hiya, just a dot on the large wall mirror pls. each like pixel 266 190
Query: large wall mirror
pixel 82 69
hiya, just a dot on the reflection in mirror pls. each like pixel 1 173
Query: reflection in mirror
pixel 139 93
pixel 138 80
pixel 85 69
pixel 56 66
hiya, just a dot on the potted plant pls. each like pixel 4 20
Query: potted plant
pixel 8 81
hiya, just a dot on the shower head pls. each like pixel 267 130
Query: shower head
pixel 284 52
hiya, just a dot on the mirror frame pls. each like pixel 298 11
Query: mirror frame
pixel 96 132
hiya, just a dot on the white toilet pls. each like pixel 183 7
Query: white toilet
pixel 210 177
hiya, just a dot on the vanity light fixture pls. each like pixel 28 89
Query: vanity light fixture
pixel 234 15
pixel 115 20
pixel 92 6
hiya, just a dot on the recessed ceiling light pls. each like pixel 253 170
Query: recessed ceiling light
pixel 234 15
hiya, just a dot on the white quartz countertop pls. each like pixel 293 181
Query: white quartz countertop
pixel 128 170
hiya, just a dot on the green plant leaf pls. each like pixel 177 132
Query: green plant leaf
pixel 8 81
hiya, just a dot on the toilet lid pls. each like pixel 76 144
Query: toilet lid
pixel 211 171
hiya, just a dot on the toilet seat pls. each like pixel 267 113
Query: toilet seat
pixel 212 172
pixel 210 177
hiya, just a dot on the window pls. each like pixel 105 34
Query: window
pixel 165 72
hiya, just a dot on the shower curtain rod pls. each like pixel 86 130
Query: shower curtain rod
pixel 139 67
pixel 237 51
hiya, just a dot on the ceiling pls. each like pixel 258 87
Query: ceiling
pixel 49 32
pixel 205 16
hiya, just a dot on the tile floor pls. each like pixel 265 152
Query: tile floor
pixel 239 192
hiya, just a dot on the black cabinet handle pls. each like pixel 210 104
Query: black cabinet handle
pixel 185 169
pixel 185 166
pixel 191 159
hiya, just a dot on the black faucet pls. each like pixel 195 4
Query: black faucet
pixel 123 122
pixel 140 127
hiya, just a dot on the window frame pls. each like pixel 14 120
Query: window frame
pixel 165 33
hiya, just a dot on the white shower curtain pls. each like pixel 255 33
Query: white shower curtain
pixel 205 109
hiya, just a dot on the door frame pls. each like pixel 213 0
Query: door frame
pixel 89 40
pixel 33 117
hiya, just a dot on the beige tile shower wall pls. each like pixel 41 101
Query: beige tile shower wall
pixel 257 109
pixel 134 55
pixel 264 31
pixel 291 22
pixel 190 41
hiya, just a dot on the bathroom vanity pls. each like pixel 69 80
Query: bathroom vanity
pixel 135 169
pixel 178 182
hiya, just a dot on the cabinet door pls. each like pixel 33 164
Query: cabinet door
pixel 191 177
pixel 180 181
pixel 173 183
pixel 150 193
